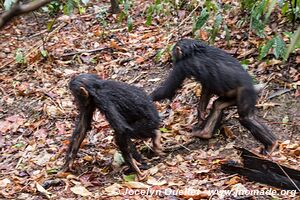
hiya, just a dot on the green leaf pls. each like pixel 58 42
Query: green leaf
pixel 81 9
pixel 122 16
pixel 216 28
pixel 285 8
pixel 294 43
pixel 201 20
pixel 279 47
pixel 52 171
pixel 44 53
pixel 68 8
pixel 227 34
pixel 159 54
pixel 270 9
pixel 126 7
pixel 20 56
pixel 50 24
pixel 265 49
pixel 164 130
pixel 129 23
pixel 245 64
pixel 18 145
pixel 149 20
pixel 128 178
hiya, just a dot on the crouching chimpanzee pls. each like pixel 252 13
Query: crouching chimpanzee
pixel 219 74
pixel 129 111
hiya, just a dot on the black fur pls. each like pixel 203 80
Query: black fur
pixel 129 111
pixel 219 74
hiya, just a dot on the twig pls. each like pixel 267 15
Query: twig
pixel 85 51
pixel 219 179
pixel 288 177
pixel 179 146
pixel 286 123
pixel 183 21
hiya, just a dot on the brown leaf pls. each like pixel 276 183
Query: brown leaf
pixel 228 132
pixel 234 180
pixel 203 35
pixel 140 60
pixel 81 190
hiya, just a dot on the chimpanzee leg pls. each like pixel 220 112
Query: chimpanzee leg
pixel 135 154
pixel 83 125
pixel 124 143
pixel 157 148
pixel 246 107
pixel 214 117
pixel 201 109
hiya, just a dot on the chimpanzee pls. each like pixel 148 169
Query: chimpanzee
pixel 219 74
pixel 129 111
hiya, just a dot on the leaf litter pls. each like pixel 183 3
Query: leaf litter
pixel 37 113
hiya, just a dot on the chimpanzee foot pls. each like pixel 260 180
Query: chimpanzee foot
pixel 158 151
pixel 197 127
pixel 269 149
pixel 157 148
pixel 142 176
pixel 204 134
pixel 67 167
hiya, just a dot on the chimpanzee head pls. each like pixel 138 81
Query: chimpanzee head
pixel 79 88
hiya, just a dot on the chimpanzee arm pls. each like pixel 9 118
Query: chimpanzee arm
pixel 168 88
pixel 82 126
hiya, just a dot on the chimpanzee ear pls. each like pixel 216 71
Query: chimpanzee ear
pixel 178 52
pixel 84 92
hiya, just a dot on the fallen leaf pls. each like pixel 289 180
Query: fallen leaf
pixel 228 132
pixel 42 158
pixel 80 190
pixel 130 177
pixel 42 190
pixel 4 182
pixel 113 190
pixel 154 181
pixel 234 180
pixel 136 185
pixel 154 80
pixel 153 170
pixel 118 159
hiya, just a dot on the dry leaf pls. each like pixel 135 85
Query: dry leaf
pixel 4 182
pixel 136 185
pixel 80 190
pixel 234 180
pixel 228 132
pixel 42 190
pixel 153 181
pixel 113 190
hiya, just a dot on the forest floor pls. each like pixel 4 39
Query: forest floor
pixel 37 112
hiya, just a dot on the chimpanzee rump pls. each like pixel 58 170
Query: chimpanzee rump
pixel 219 74
pixel 129 111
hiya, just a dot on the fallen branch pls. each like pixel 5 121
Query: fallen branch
pixel 19 9
pixel 258 169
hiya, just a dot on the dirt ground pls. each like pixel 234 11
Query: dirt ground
pixel 37 112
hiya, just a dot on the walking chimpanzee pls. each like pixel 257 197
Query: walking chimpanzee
pixel 219 74
pixel 129 111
